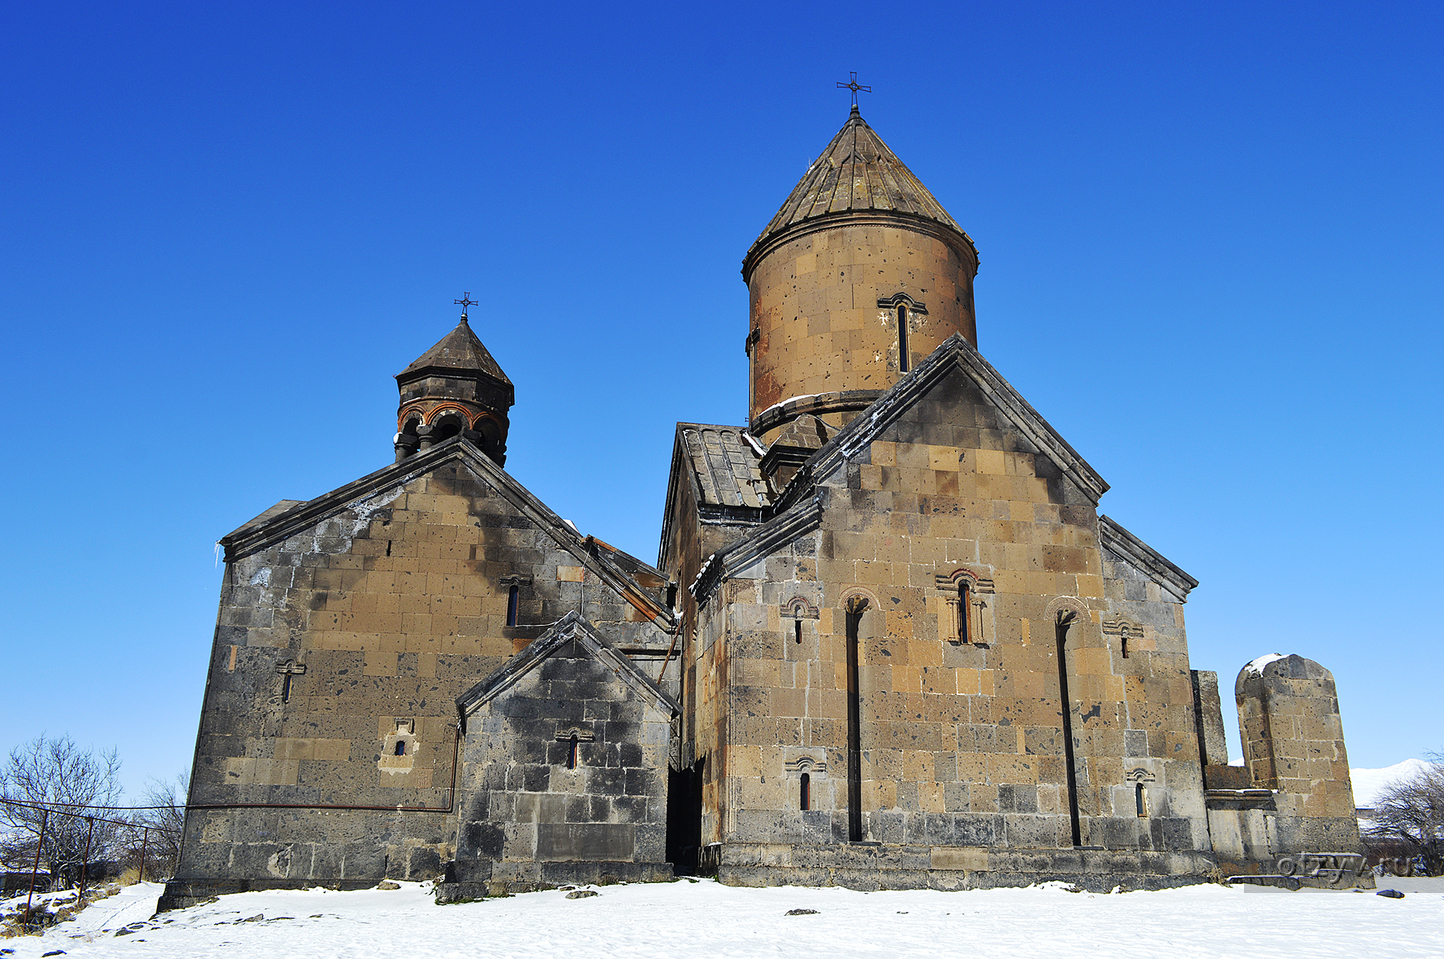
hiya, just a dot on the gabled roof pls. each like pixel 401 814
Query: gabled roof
pixel 458 350
pixel 724 465
pixel 955 353
pixel 1145 558
pixel 284 506
pixel 570 629
pixel 798 505
pixel 720 465
pixel 857 173
pixel 261 533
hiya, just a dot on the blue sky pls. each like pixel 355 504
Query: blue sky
pixel 1210 240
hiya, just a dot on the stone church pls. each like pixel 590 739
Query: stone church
pixel 889 640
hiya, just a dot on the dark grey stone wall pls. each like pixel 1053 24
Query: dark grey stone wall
pixel 532 811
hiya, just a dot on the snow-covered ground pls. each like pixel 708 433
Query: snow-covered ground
pixel 704 919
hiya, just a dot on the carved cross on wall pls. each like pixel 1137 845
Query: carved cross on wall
pixel 289 669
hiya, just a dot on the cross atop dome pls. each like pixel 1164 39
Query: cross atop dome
pixel 855 87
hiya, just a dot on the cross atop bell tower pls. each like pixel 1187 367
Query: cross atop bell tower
pixel 465 302
pixel 855 87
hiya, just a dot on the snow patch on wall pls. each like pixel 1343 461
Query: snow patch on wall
pixel 1256 667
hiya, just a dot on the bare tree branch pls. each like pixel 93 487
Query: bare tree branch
pixel 71 782
pixel 1413 810
pixel 166 822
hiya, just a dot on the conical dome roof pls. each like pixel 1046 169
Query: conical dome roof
pixel 857 173
pixel 458 350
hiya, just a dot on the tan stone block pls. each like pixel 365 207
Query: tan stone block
pixel 268 638
pixel 1086 660
pixel 1010 768
pixel 943 458
pixel 972 767
pixel 929 654
pixel 418 778
pixel 293 748
pixel 263 772
pixel 878 794
pixel 570 574
pixel 965 858
pixel 982 796
pixel 930 797
pixel 917 766
pixel 331 750
pixel 989 461
pixel 912 456
pixel 788 702
pixel 379 663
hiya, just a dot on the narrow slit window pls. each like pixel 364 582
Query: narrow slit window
pixel 401 747
pixel 856 606
pixel 511 604
pixel 806 792
pixel 965 610
pixel 902 338
pixel 286 689
pixel 1123 642
pixel 797 630
pixel 1140 798
pixel 572 752
pixel 1064 620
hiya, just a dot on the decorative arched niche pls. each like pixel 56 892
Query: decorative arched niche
pixel 965 614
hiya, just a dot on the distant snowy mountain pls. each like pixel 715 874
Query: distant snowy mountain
pixel 1369 783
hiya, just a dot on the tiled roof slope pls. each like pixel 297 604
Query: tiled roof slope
pixel 725 466
pixel 856 173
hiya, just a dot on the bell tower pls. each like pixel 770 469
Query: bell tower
pixel 456 387
pixel 860 275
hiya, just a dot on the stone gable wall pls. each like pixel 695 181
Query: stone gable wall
pixel 527 819
pixel 393 607
pixel 962 741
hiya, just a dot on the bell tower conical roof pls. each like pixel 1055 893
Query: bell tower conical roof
pixel 456 387
pixel 459 350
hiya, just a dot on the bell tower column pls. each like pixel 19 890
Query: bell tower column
pixel 860 275
pixel 455 388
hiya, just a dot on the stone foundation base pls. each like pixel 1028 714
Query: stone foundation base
pixel 1301 871
pixel 479 879
pixel 871 866
pixel 183 893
